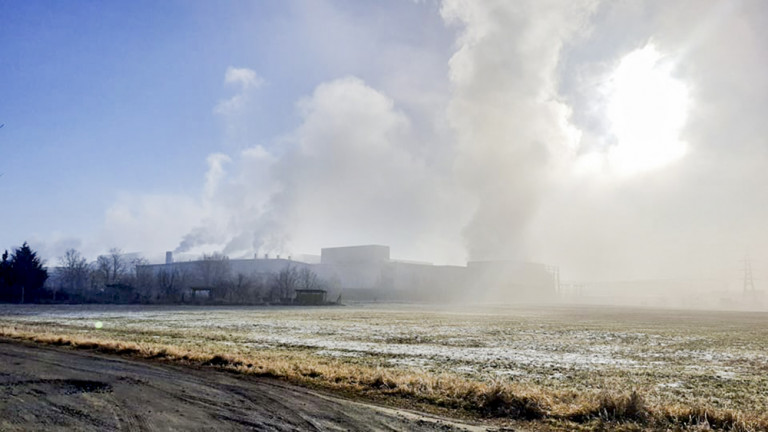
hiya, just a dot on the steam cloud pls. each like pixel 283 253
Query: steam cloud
pixel 497 172
pixel 509 125
pixel 348 173
pixel 354 167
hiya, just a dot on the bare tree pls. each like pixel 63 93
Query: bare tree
pixel 111 268
pixel 102 271
pixel 139 276
pixel 73 273
pixel 135 263
pixel 241 288
pixel 284 284
pixel 118 264
pixel 170 283
pixel 307 279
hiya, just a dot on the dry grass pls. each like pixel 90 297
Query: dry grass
pixel 442 392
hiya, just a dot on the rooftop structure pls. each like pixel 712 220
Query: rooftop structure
pixel 354 255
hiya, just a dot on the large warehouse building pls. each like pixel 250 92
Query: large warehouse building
pixel 368 272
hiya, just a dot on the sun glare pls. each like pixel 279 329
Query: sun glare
pixel 647 108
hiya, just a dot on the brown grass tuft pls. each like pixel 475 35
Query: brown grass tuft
pixel 501 401
pixel 704 418
pixel 622 407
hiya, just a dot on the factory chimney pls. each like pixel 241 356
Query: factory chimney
pixel 169 257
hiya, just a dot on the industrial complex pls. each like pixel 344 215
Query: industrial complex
pixel 368 273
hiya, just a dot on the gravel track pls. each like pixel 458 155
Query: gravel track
pixel 47 388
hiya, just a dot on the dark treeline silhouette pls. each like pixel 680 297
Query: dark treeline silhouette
pixel 117 278
pixel 22 277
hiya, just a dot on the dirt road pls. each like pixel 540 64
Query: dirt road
pixel 45 388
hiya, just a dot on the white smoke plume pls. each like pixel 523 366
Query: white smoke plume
pixel 510 126
pixel 348 174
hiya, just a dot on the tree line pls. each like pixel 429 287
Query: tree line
pixel 116 277
pixel 213 280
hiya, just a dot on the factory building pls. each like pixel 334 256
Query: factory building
pixel 368 273
pixel 255 266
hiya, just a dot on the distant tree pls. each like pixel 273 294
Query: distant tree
pixel 73 273
pixel 241 289
pixel 170 282
pixel 27 273
pixel 140 277
pixel 136 263
pixel 307 279
pixel 103 271
pixel 284 284
pixel 111 268
pixel 119 264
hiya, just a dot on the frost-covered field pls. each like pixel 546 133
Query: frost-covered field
pixel 717 358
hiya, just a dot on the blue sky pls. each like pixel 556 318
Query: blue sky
pixel 616 139
pixel 102 98
pixel 95 97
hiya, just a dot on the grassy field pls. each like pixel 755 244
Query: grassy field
pixel 558 367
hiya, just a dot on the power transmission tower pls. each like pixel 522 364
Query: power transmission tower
pixel 555 272
pixel 749 282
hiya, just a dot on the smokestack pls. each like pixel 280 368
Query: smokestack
pixel 169 257
pixel 278 256
pixel 266 256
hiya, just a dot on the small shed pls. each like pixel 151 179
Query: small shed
pixel 201 293
pixel 311 296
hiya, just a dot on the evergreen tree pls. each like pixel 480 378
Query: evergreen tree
pixel 5 278
pixel 27 273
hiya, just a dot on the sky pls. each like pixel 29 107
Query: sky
pixel 618 140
